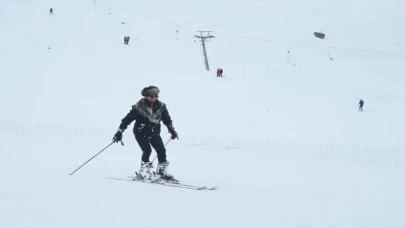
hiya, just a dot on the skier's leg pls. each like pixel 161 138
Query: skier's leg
pixel 146 166
pixel 143 142
pixel 157 144
pixel 163 164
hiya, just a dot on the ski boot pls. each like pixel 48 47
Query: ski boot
pixel 145 171
pixel 162 172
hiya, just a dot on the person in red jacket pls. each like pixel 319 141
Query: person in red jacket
pixel 218 72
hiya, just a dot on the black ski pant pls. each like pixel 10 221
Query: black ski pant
pixel 145 143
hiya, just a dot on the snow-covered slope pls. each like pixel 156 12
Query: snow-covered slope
pixel 279 134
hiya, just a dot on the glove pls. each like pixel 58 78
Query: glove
pixel 118 136
pixel 174 134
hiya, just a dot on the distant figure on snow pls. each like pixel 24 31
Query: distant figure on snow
pixel 126 39
pixel 51 11
pixel 361 103
pixel 220 72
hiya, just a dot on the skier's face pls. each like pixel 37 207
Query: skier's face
pixel 151 99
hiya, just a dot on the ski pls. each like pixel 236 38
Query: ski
pixel 135 178
pixel 164 183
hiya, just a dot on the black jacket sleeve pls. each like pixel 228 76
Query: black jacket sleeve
pixel 167 120
pixel 127 120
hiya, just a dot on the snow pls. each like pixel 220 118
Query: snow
pixel 280 134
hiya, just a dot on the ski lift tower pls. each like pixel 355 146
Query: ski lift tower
pixel 204 35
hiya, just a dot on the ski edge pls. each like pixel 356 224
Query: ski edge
pixel 164 184
pixel 178 183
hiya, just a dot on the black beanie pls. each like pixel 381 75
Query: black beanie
pixel 152 91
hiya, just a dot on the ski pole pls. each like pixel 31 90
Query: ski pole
pixel 94 157
pixel 165 146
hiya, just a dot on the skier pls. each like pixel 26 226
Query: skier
pixel 220 72
pixel 125 40
pixel 51 11
pixel 128 39
pixel 361 103
pixel 147 114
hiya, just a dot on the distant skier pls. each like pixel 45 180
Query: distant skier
pixel 220 72
pixel 361 103
pixel 128 39
pixel 147 114
pixel 51 11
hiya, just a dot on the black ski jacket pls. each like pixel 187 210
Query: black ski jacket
pixel 147 116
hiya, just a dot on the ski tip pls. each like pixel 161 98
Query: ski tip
pixel 207 188
pixel 211 188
